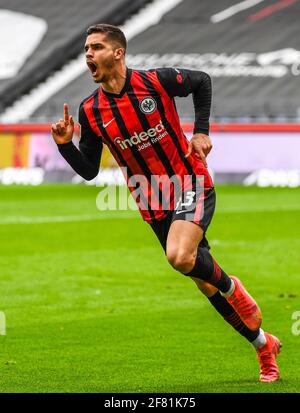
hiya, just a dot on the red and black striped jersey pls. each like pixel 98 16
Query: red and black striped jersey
pixel 141 127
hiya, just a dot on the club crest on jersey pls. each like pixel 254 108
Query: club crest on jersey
pixel 148 105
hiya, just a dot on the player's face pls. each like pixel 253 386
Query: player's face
pixel 101 56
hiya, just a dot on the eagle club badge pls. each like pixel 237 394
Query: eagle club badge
pixel 148 105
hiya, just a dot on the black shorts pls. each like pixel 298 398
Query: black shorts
pixel 200 212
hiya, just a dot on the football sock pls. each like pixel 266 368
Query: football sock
pixel 207 269
pixel 228 313
pixel 260 341
pixel 230 291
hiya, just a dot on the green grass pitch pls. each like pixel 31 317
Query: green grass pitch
pixel 92 305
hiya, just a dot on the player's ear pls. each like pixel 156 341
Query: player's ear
pixel 119 53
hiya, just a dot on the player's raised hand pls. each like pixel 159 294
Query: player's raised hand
pixel 62 131
pixel 201 144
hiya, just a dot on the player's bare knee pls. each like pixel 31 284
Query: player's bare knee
pixel 181 260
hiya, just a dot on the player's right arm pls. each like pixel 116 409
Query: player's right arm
pixel 86 160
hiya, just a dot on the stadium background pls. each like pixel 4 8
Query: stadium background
pixel 251 51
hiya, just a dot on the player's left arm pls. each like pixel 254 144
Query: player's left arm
pixel 182 82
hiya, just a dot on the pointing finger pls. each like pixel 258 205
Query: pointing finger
pixel 66 113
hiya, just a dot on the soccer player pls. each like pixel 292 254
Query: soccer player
pixel 133 112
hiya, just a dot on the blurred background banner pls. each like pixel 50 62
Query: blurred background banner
pixel 243 153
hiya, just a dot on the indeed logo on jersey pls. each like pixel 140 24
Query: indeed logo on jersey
pixel 143 139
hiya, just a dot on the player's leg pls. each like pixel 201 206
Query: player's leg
pixel 256 338
pixel 268 371
pixel 186 255
pixel 180 248
pixel 266 345
pixel 161 229
pixel 188 252
pixel 207 289
pixel 185 249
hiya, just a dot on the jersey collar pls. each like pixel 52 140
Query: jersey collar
pixel 124 89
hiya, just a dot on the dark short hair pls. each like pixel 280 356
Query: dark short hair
pixel 112 33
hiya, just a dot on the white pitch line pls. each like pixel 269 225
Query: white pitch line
pixel 246 243
pixel 269 208
pixel 104 215
pixel 17 219
pixel 227 13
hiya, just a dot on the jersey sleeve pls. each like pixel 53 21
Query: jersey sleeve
pixel 182 82
pixel 86 160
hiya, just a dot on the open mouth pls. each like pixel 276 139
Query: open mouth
pixel 93 67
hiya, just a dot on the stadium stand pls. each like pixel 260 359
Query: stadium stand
pixel 250 49
pixel 65 22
